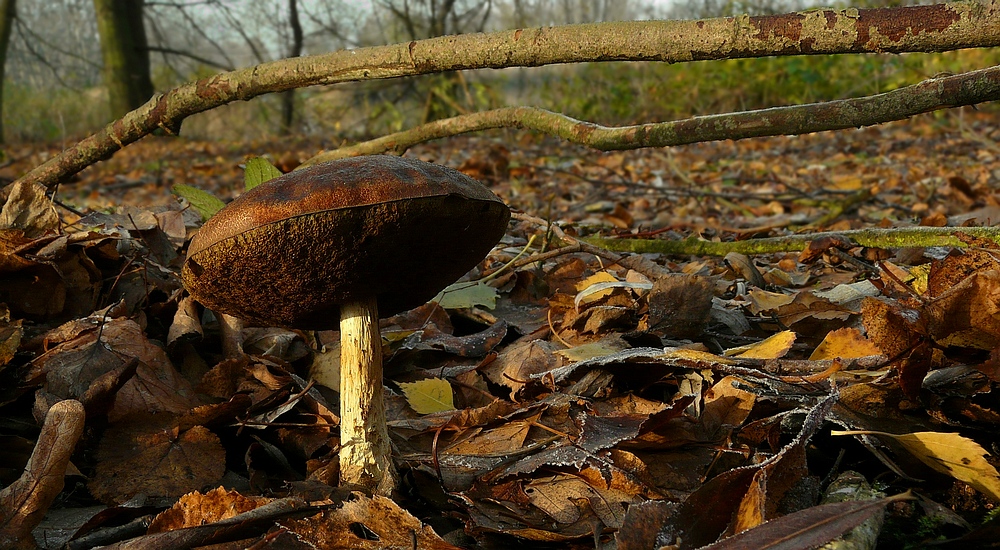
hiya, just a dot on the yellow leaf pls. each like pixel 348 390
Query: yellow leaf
pixel 846 182
pixel 762 300
pixel 429 395
pixel 600 277
pixel 684 354
pixel 772 348
pixel 591 350
pixel 845 343
pixel 950 454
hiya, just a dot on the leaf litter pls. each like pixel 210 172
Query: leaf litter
pixel 563 394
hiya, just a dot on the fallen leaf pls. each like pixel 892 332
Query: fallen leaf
pixel 595 279
pixel 844 343
pixel 156 458
pixel 29 209
pixel 807 528
pixel 195 509
pixel 467 295
pixel 773 347
pixel 429 395
pixel 680 305
pixel 604 346
pixel 948 453
pixel 367 523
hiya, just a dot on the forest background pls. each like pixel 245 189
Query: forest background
pixel 54 85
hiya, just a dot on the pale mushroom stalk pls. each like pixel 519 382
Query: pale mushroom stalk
pixel 365 457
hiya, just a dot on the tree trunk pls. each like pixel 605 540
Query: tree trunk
pixel 126 54
pixel 8 11
pixel 288 98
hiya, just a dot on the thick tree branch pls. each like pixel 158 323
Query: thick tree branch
pixel 918 28
pixel 933 94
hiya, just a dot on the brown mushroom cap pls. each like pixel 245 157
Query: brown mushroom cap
pixel 290 251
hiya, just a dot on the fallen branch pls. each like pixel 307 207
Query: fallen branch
pixel 929 95
pixel 24 502
pixel 896 237
pixel 935 28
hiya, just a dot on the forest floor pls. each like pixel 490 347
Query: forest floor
pixel 622 401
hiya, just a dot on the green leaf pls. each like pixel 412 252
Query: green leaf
pixel 257 171
pixel 429 395
pixel 465 295
pixel 204 202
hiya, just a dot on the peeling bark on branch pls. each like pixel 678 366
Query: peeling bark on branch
pixel 908 29
pixel 930 95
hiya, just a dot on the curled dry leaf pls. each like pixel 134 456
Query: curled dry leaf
pixel 186 324
pixel 29 209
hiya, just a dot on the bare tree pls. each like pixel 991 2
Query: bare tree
pixel 8 12
pixel 288 98
pixel 125 52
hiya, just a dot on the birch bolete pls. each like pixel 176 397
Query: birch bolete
pixel 340 243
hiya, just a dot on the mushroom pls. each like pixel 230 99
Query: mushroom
pixel 340 243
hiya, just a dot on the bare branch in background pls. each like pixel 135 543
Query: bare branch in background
pixel 929 95
pixel 921 28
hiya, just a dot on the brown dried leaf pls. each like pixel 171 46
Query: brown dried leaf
pixel 187 322
pixel 892 327
pixel 504 439
pixel 154 457
pixel 72 366
pixel 372 523
pixel 27 208
pixel 968 314
pixel 725 408
pixel 10 340
pixel 519 361
pixel 642 522
pixel 195 509
pixel 808 528
pixel 958 266
pixel 680 305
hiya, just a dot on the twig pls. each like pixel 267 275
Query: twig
pixel 897 237
pixel 929 95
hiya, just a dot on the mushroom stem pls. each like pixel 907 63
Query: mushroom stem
pixel 365 457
